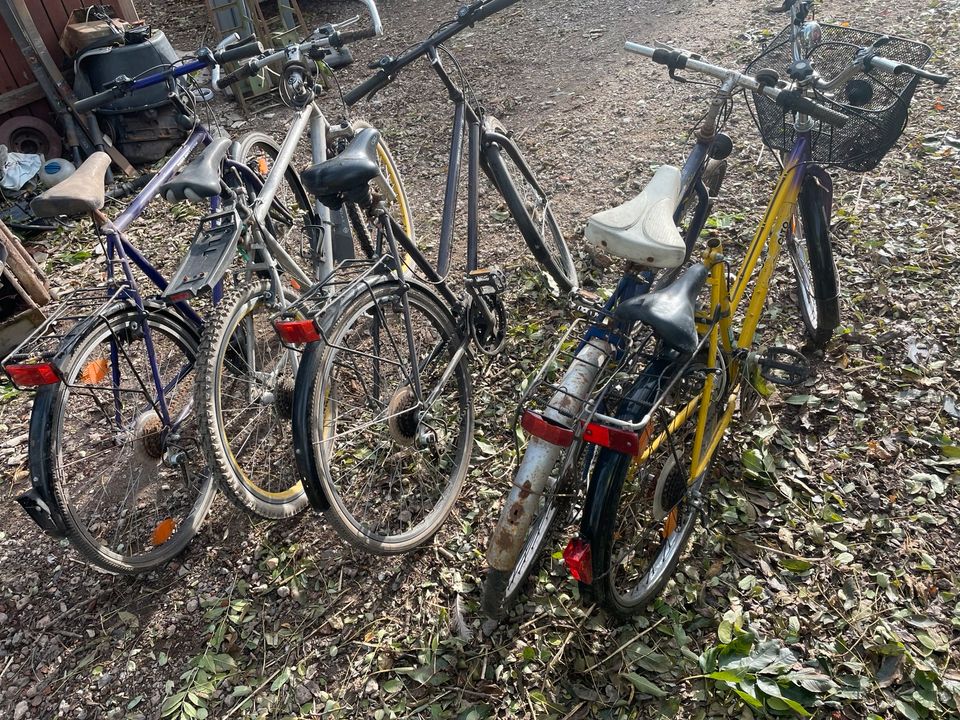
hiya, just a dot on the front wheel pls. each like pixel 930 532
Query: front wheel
pixel 131 485
pixel 808 244
pixel 640 524
pixel 530 208
pixel 390 457
pixel 245 394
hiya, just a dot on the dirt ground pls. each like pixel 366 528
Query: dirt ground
pixel 832 530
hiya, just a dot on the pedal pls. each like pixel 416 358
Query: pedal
pixel 486 281
pixel 783 366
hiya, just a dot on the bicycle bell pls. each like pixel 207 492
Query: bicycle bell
pixel 810 36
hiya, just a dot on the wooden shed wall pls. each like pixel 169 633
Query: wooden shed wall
pixel 50 17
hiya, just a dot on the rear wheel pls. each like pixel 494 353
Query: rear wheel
pixel 245 394
pixel 133 489
pixel 811 255
pixel 390 465
pixel 649 514
pixel 531 210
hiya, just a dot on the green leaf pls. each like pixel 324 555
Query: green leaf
pixel 795 564
pixel 783 703
pixel 726 676
pixel 905 709
pixel 392 686
pixel 529 653
pixel 643 685
pixel 280 680
pixel 172 704
pixel 748 698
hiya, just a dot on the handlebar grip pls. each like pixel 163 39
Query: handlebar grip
pixel 489 8
pixel 894 68
pixel 244 50
pixel 95 101
pixel 795 101
pixel 241 73
pixel 367 87
pixel 345 38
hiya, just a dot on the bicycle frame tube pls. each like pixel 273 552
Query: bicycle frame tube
pixel 724 307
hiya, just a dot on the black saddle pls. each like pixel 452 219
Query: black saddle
pixel 347 174
pixel 201 178
pixel 670 312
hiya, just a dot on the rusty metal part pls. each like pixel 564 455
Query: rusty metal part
pixel 149 435
pixel 27 134
pixel 402 416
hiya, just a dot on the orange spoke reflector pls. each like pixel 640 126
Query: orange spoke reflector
pixel 262 166
pixel 670 524
pixel 163 531
pixel 294 284
pixel 94 371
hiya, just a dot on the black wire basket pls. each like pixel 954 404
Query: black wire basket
pixel 874 125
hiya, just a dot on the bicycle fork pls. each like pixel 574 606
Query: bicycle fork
pixel 541 455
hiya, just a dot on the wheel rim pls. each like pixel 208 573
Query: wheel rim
pixel 800 257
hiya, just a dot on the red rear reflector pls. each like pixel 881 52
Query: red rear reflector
pixel 297 331
pixel 622 441
pixel 180 296
pixel 32 374
pixel 540 427
pixel 579 560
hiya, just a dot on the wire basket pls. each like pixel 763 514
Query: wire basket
pixel 873 127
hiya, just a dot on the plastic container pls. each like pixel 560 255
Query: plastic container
pixel 56 170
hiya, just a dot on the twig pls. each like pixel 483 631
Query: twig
pixel 622 647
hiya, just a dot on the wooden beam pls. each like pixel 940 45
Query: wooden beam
pixel 126 9
pixel 16 99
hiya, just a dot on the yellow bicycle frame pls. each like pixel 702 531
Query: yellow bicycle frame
pixel 724 305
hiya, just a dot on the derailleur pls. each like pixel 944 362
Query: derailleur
pixel 488 315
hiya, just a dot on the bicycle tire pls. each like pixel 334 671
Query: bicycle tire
pixel 60 450
pixel 608 522
pixel 532 212
pixel 255 468
pixel 501 589
pixel 330 464
pixel 811 255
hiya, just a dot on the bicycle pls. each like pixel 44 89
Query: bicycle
pixel 245 375
pixel 664 378
pixel 114 458
pixel 105 380
pixel 383 411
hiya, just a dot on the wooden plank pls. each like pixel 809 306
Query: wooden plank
pixel 14 70
pixel 126 10
pixel 50 36
pixel 16 99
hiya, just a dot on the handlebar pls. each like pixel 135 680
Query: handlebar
pixel 389 67
pixel 247 48
pixel 895 68
pixel 787 99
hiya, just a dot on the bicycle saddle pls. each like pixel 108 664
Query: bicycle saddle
pixel 79 194
pixel 201 178
pixel 669 312
pixel 642 229
pixel 347 173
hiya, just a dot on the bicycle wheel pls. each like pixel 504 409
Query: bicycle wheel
pixel 531 210
pixel 390 467
pixel 640 523
pixel 501 589
pixel 132 490
pixel 808 245
pixel 289 219
pixel 244 392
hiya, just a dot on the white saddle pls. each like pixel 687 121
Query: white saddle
pixel 642 230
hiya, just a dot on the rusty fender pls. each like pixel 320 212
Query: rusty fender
pixel 541 457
